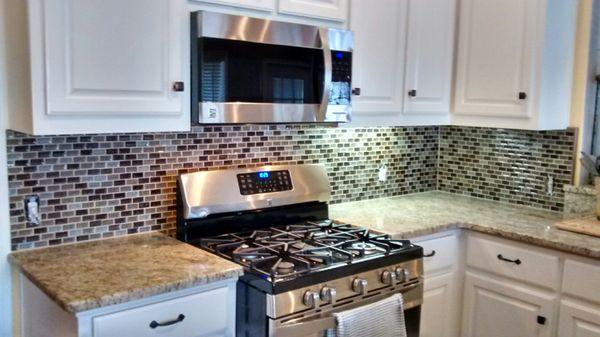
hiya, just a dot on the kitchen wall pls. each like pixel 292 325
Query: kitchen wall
pixel 95 186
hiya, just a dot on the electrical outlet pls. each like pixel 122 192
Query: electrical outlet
pixel 549 185
pixel 382 173
pixel 32 209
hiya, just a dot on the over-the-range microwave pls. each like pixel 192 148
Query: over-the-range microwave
pixel 248 70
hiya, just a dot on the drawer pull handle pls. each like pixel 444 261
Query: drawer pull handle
pixel 155 324
pixel 517 261
pixel 430 254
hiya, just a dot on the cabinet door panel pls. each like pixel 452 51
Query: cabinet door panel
pixel 326 9
pixel 112 57
pixel 577 320
pixel 440 304
pixel 430 49
pixel 500 309
pixel 495 55
pixel 378 61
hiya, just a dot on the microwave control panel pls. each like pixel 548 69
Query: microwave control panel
pixel 341 78
pixel 264 182
pixel 341 64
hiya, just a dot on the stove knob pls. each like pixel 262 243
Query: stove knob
pixel 328 295
pixel 388 278
pixel 359 286
pixel 403 274
pixel 311 299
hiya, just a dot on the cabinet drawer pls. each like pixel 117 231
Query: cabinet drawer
pixel 582 280
pixel 205 315
pixel 513 260
pixel 440 253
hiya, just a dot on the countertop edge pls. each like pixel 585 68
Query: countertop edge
pixel 490 230
pixel 129 296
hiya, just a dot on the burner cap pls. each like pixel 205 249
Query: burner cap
pixel 285 267
pixel 367 247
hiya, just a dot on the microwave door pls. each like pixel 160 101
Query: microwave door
pixel 247 82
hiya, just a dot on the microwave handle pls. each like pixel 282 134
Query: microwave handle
pixel 328 66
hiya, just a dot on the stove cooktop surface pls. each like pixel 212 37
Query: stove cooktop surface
pixel 286 252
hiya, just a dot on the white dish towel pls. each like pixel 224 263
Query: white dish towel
pixel 380 319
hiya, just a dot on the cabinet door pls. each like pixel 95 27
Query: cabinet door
pixel 378 60
pixel 326 9
pixel 429 55
pixel 99 65
pixel 440 304
pixel 496 44
pixel 578 320
pixel 502 309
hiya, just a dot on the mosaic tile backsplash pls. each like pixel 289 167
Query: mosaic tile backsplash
pixel 506 165
pixel 97 186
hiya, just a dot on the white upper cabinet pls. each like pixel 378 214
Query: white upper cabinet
pixel 324 9
pixel 108 66
pixel 265 5
pixel 429 56
pixel 401 46
pixel 515 63
pixel 378 60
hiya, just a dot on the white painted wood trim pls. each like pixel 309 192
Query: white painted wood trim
pixel 5 247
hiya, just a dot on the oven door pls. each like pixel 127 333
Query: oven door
pixel 318 324
pixel 248 70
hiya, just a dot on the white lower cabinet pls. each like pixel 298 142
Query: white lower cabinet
pixel 202 311
pixel 578 319
pixel 503 309
pixel 440 312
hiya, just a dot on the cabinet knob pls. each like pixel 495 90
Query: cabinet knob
pixel 356 91
pixel 178 86
pixel 412 93
pixel 541 320
pixel 522 95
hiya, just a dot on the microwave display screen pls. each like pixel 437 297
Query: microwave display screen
pixel 241 71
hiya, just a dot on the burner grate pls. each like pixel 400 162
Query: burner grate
pixel 283 252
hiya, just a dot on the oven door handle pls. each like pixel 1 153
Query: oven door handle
pixel 328 67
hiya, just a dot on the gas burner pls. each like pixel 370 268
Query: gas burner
pixel 366 247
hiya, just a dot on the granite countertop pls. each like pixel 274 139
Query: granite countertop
pixel 430 212
pixel 94 274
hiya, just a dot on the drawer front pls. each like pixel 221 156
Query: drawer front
pixel 440 253
pixel 206 314
pixel 514 261
pixel 582 280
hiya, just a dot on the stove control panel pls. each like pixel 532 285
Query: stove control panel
pixel 264 182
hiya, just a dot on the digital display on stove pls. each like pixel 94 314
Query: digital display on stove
pixel 264 182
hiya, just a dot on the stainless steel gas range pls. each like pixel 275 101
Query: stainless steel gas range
pixel 300 266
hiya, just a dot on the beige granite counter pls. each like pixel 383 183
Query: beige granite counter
pixel 94 274
pixel 430 212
